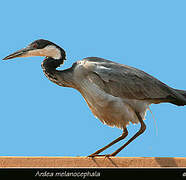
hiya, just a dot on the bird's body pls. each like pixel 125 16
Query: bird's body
pixel 114 105
pixel 110 109
pixel 116 94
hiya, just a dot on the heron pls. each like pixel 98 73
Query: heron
pixel 116 94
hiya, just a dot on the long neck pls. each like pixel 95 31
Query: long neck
pixel 61 78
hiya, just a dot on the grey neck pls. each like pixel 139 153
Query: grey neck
pixel 61 78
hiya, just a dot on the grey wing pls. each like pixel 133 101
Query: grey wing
pixel 128 82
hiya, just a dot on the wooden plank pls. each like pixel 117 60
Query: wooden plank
pixel 6 162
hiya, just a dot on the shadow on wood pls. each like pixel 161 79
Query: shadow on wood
pixel 166 162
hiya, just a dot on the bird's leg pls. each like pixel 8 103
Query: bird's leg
pixel 142 129
pixel 124 134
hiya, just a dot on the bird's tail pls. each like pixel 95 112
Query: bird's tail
pixel 182 92
pixel 181 100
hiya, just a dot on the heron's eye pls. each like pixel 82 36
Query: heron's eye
pixel 34 45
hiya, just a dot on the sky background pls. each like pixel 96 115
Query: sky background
pixel 39 118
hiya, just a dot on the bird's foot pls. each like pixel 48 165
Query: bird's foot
pixel 101 155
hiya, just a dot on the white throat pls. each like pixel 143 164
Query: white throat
pixel 49 51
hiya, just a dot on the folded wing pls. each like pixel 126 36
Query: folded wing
pixel 128 82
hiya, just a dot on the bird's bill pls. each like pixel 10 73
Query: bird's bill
pixel 20 53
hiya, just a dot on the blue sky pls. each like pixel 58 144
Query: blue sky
pixel 39 118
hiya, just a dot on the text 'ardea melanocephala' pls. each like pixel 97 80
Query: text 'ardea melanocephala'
pixel 116 94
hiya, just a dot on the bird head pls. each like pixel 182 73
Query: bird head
pixel 40 47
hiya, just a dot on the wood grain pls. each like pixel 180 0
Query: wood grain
pixel 6 162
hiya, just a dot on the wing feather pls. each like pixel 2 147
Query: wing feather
pixel 128 82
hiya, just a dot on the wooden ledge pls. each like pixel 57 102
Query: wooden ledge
pixel 124 162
